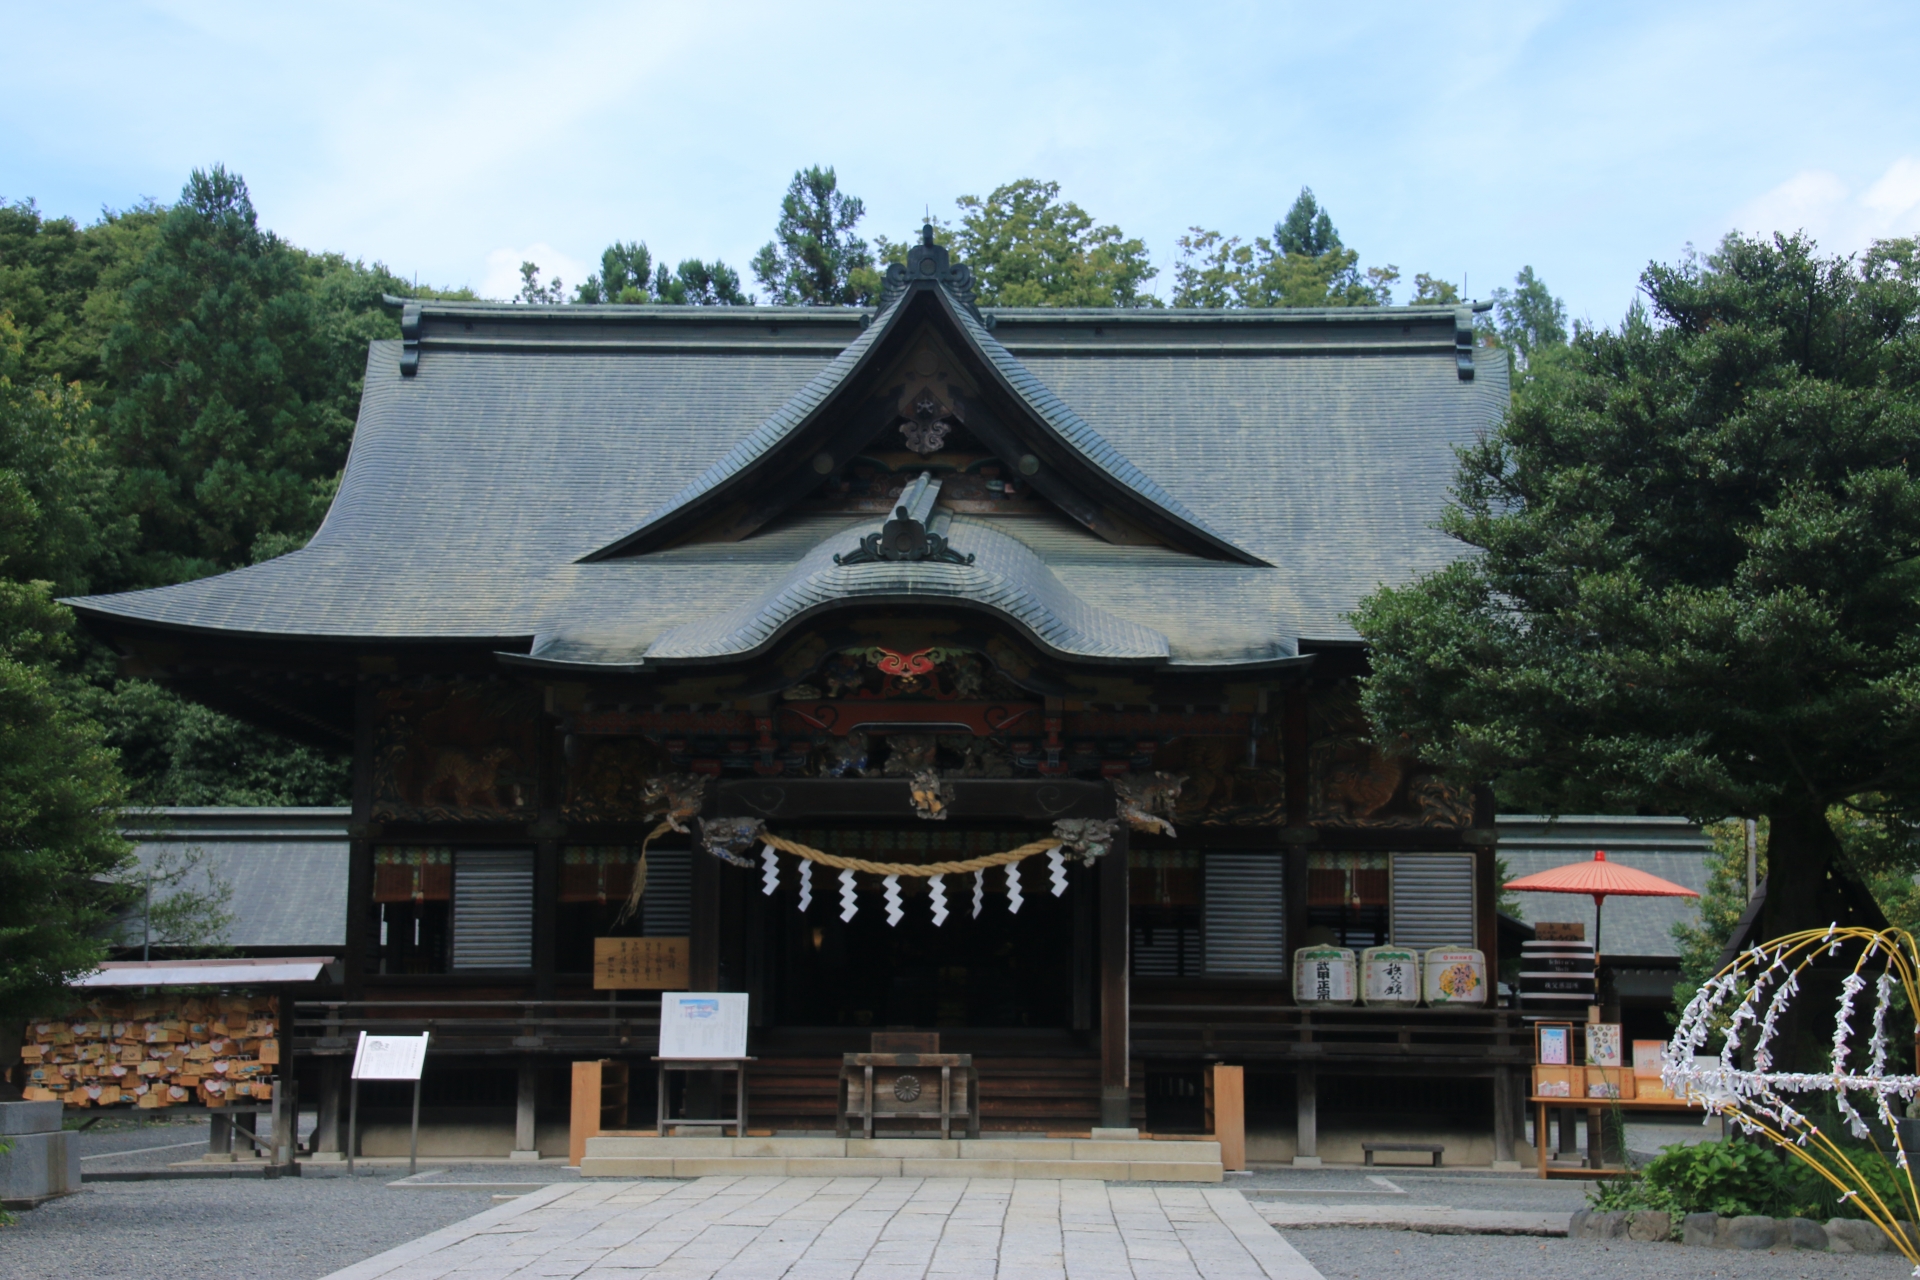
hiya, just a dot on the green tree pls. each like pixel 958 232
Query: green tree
pixel 223 418
pixel 1528 318
pixel 626 272
pixel 1429 292
pixel 1305 264
pixel 532 291
pixel 1693 580
pixel 60 789
pixel 1029 248
pixel 814 259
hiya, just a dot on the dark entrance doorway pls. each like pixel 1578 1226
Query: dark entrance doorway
pixel 1001 970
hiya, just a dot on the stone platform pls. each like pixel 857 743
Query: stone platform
pixel 645 1156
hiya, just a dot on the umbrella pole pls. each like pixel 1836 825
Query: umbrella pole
pixel 1599 901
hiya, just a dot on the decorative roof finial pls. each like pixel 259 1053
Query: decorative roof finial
pixel 926 233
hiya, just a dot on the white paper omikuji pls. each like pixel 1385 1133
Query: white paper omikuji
pixel 848 904
pixel 1014 900
pixel 806 884
pixel 937 890
pixel 894 914
pixel 1057 862
pixel 979 891
pixel 771 879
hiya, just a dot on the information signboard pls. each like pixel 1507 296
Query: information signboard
pixel 389 1057
pixel 703 1024
pixel 648 964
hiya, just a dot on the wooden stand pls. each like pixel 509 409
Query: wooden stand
pixel 599 1104
pixel 1595 1109
pixel 736 1065
pixel 1227 1113
pixel 958 1094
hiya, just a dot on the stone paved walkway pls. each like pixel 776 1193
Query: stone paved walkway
pixel 854 1229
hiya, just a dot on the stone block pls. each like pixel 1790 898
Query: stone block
pixel 1016 1149
pixel 1649 1224
pixel 726 1166
pixel 1172 1171
pixel 30 1117
pixel 1116 1135
pixel 1588 1224
pixel 39 1167
pixel 842 1167
pixel 1752 1231
pixel 789 1148
pixel 905 1148
pixel 648 1145
pixel 1805 1233
pixel 1852 1235
pixel 626 1166
pixel 1699 1229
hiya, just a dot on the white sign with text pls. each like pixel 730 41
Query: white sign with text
pixel 703 1024
pixel 390 1057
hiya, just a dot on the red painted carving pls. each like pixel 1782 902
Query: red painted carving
pixel 894 663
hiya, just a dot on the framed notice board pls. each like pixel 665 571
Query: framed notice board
pixel 639 964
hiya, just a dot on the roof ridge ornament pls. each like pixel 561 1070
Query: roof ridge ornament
pixel 930 261
pixel 906 536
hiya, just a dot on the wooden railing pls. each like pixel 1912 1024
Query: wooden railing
pixel 1290 1033
pixel 582 1027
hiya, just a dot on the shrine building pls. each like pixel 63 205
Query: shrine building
pixel 645 623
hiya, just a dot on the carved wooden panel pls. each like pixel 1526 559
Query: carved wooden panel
pixel 1353 783
pixel 455 753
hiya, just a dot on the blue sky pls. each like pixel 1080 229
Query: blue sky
pixel 452 141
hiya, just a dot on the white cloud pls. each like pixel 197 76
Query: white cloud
pixel 502 280
pixel 1839 218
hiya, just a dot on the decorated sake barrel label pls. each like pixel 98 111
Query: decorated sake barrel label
pixel 1456 975
pixel 1323 975
pixel 1390 976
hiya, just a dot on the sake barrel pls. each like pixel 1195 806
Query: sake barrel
pixel 1323 976
pixel 1455 976
pixel 1390 976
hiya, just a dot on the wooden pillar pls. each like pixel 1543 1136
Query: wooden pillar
pixel 1294 749
pixel 1115 1024
pixel 1503 1115
pixel 1084 891
pixel 525 1142
pixel 326 1133
pixel 1306 1146
pixel 703 942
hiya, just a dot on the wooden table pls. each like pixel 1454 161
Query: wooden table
pixel 1595 1108
pixel 736 1065
pixel 959 1090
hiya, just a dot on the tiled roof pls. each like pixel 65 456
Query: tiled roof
pixel 1321 443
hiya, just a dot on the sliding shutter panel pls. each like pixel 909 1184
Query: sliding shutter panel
pixel 1433 900
pixel 666 909
pixel 493 909
pixel 1246 914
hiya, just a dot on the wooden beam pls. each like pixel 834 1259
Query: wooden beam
pixel 1115 1025
pixel 703 945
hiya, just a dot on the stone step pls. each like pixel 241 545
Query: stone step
pixel 645 1156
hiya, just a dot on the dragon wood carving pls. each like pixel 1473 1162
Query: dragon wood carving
pixel 1141 800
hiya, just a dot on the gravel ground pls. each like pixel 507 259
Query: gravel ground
pixel 1346 1254
pixel 1399 1187
pixel 242 1227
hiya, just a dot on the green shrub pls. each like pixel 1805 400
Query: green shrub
pixel 1740 1177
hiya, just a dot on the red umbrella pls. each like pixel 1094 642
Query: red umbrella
pixel 1600 878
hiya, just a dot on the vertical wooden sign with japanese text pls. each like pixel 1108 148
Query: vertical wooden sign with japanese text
pixel 635 964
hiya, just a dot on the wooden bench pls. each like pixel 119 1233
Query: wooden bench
pixel 1431 1148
